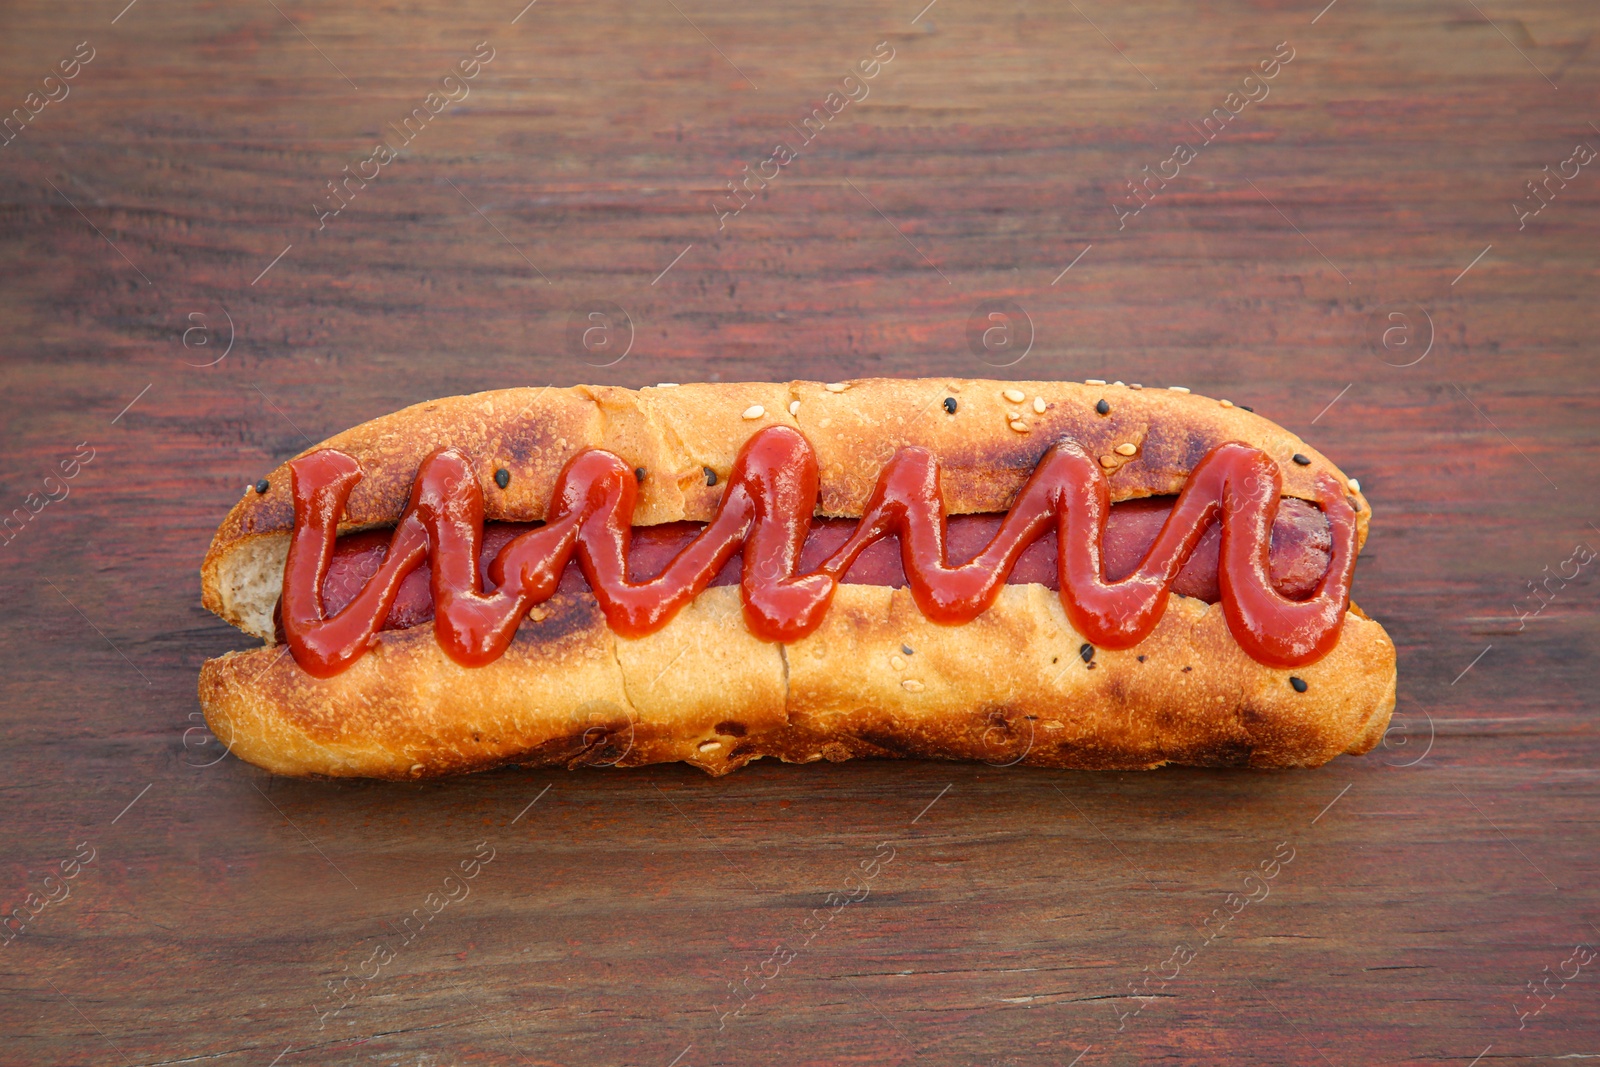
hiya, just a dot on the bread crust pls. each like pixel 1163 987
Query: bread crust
pixel 677 433
pixel 1009 687
pixel 877 678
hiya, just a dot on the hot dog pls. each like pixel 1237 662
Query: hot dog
pixel 1050 574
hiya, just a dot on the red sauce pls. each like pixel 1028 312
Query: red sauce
pixel 792 563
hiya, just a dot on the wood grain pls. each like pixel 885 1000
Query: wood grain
pixel 1021 911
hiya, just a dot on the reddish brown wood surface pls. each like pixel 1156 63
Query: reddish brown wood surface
pixel 1025 913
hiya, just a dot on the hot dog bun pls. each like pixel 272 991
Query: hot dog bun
pixel 1011 686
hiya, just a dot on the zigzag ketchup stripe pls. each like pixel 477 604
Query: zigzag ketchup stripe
pixel 766 511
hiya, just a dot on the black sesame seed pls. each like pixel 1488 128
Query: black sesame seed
pixel 502 477
pixel 1186 670
pixel 1298 683
pixel 1302 460
pixel 1087 652
pixel 711 475
pixel 1141 659
pixel 1248 408
pixel 638 474
pixel 1103 408
pixel 262 486
pixel 907 650
pixel 950 404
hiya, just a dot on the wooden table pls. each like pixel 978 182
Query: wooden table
pixel 1344 256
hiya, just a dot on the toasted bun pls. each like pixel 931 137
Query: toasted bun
pixel 1011 686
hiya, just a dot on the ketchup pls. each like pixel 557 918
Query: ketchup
pixel 767 511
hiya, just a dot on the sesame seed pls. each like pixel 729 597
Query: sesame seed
pixel 950 404
pixel 1116 383
pixel 1094 381
pixel 638 474
pixel 1299 684
pixel 502 477
pixel 906 649
pixel 1102 407
pixel 1248 408
pixel 897 663
pixel 262 486
pixel 1013 395
pixel 1019 426
pixel 1355 486
pixel 1108 461
pixel 1126 449
pixel 711 475
pixel 911 685
pixel 1087 652
pixel 416 768
pixel 666 385
pixel 707 746
pixel 836 387
pixel 1013 416
pixel 1038 405
pixel 1177 389
pixel 1135 385
pixel 1302 460
pixel 1226 403
pixel 794 407
pixel 754 411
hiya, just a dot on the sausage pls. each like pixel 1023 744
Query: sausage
pixel 1298 556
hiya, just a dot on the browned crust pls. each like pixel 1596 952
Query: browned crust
pixel 1009 687
pixel 675 433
